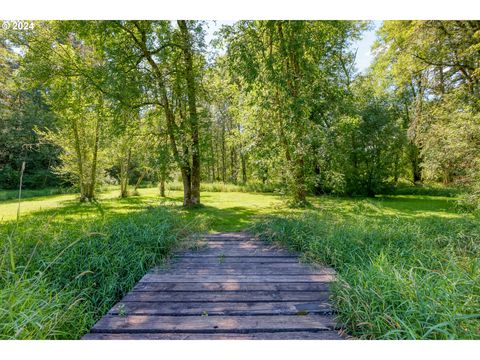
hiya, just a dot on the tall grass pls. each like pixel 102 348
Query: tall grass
pixel 31 193
pixel 426 189
pixel 227 187
pixel 398 278
pixel 70 272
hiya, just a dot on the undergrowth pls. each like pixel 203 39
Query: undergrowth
pixel 67 273
pixel 398 278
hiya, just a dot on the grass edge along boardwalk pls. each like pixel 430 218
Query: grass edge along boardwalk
pixel 233 287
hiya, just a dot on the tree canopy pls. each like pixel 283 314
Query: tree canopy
pixel 86 103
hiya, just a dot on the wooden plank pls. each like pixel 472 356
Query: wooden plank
pixel 232 239
pixel 234 260
pixel 298 335
pixel 232 287
pixel 220 308
pixel 228 235
pixel 236 254
pixel 219 286
pixel 240 266
pixel 213 324
pixel 223 296
pixel 236 245
pixel 260 271
pixel 238 278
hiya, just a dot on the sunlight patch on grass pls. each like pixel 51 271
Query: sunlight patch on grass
pixel 230 211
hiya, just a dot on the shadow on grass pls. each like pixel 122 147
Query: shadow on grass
pixel 418 204
pixel 235 218
pixel 226 219
pixel 230 214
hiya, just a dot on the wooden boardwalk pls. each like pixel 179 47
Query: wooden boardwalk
pixel 233 287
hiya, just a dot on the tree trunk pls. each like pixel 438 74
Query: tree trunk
pixel 224 167
pixel 79 160
pixel 244 168
pixel 192 109
pixel 233 165
pixel 124 168
pixel 447 176
pixel 162 186
pixel 212 149
pixel 415 163
pixel 139 180
pixel 300 191
pixel 187 188
pixel 217 163
pixel 90 195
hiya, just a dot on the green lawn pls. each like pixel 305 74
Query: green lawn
pixel 230 211
pixel 408 265
pixel 223 211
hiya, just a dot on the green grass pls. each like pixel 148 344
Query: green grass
pixel 74 260
pixel 226 187
pixel 408 264
pixel 71 266
pixel 223 211
pixel 27 193
pixel 430 189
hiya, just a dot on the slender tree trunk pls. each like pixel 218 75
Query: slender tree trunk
pixel 162 186
pixel 212 150
pixel 187 188
pixel 293 76
pixel 93 174
pixel 192 109
pixel 217 162
pixel 124 169
pixel 224 150
pixel 139 180
pixel 447 176
pixel 415 163
pixel 300 195
pixel 79 160
pixel 233 165
pixel 244 168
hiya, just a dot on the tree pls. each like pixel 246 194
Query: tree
pixel 22 107
pixel 364 156
pixel 435 65
pixel 292 67
pixel 79 133
pixel 169 55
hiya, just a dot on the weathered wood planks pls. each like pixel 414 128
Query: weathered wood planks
pixel 231 287
pixel 222 308
pixel 213 324
pixel 237 278
pixel 296 335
